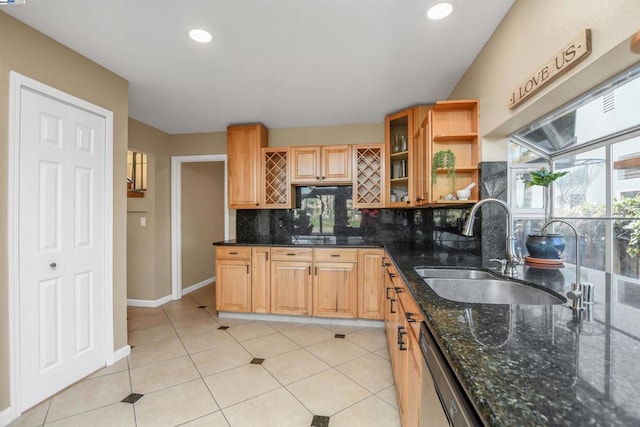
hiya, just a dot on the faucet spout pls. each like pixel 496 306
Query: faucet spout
pixel 581 293
pixel 512 259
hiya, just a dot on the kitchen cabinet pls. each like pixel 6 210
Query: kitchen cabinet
pixel 335 283
pixel 327 164
pixel 291 281
pixel 454 125
pixel 368 176
pixel 233 279
pixel 405 157
pixel 260 279
pixel 371 272
pixel 402 327
pixel 276 178
pixel 244 144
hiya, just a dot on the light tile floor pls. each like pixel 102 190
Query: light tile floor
pixel 190 372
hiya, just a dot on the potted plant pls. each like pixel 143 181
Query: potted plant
pixel 550 245
pixel 444 159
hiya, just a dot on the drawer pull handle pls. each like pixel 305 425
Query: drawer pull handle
pixel 247 268
pixel 335 255
pixel 391 309
pixel 316 271
pixel 233 253
pixel 266 254
pixel 291 254
pixel 409 317
pixel 309 270
pixel 388 296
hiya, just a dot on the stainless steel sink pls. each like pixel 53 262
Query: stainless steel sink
pixel 452 273
pixel 490 291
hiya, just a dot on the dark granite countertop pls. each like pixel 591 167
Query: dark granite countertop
pixel 528 364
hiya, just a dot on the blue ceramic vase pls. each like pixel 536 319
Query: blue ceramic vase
pixel 546 246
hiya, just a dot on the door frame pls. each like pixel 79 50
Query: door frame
pixel 176 213
pixel 16 83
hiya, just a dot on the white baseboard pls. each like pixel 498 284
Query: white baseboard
pixel 5 416
pixel 148 303
pixel 198 285
pixel 302 319
pixel 166 299
pixel 121 353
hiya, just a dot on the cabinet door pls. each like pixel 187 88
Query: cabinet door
pixel 260 280
pixel 421 144
pixel 244 144
pixel 336 164
pixel 414 382
pixel 233 285
pixel 334 289
pixel 275 183
pixel 371 284
pixel 368 176
pixel 306 164
pixel 401 366
pixel 291 287
pixel 391 315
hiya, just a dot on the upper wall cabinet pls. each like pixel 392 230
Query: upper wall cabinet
pixel 244 144
pixel 327 164
pixel 454 127
pixel 276 178
pixel 368 176
pixel 406 157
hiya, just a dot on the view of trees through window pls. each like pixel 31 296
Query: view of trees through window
pixel 598 143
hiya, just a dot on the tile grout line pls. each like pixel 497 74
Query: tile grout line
pixel 196 368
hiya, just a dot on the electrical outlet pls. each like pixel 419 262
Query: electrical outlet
pixel 143 221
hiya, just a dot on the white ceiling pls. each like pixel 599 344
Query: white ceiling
pixel 283 63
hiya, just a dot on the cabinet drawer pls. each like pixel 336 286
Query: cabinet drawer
pixel 233 252
pixel 291 254
pixel 335 255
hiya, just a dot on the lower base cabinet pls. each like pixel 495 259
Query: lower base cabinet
pixel 325 282
pixel 402 326
pixel 260 279
pixel 291 287
pixel 233 279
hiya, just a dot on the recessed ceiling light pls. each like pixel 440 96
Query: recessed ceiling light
pixel 439 11
pixel 201 36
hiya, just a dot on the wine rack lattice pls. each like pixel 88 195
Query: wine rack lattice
pixel 275 178
pixel 368 177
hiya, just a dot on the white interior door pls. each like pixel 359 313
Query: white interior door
pixel 62 251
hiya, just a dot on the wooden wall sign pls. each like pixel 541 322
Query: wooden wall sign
pixel 577 50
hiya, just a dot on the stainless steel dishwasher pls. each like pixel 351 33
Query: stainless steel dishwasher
pixel 443 401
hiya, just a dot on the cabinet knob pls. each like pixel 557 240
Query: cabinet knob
pixel 53 265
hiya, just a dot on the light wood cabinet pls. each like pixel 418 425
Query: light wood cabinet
pixel 291 281
pixel 371 271
pixel 402 326
pixel 327 164
pixel 405 157
pixel 276 178
pixel 244 144
pixel 260 279
pixel 454 125
pixel 335 283
pixel 233 279
pixel 368 176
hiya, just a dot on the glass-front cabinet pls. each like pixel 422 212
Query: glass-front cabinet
pixel 403 161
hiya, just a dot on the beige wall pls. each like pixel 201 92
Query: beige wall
pixel 149 247
pixel 32 54
pixel 202 219
pixel 327 135
pixel 531 33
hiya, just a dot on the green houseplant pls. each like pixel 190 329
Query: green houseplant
pixel 547 246
pixel 444 159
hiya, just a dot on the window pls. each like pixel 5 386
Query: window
pixel 136 173
pixel 597 140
